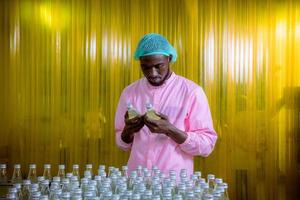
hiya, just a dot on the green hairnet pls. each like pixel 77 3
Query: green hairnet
pixel 154 44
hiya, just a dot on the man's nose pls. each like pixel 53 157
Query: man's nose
pixel 153 72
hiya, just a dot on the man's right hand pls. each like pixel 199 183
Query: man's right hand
pixel 131 126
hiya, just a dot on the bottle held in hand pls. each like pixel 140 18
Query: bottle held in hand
pixel 132 112
pixel 151 112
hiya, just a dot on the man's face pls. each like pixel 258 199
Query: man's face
pixel 156 68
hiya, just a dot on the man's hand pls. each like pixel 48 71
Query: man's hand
pixel 131 126
pixel 163 126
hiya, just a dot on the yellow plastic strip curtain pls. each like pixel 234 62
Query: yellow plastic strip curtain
pixel 63 65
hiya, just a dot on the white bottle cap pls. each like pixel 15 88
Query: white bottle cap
pixel 56 179
pixel 210 176
pixel 89 166
pixel 75 166
pixel 198 173
pixel 218 180
pixel 225 185
pixel 148 106
pixel 47 166
pixel 102 167
pixel 32 166
pixel 61 166
pixel 129 105
pixel 17 166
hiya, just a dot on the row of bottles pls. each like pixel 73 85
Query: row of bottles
pixel 32 174
pixel 140 184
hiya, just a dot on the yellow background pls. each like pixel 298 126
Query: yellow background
pixel 63 65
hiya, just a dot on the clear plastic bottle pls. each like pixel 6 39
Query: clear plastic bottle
pixel 132 112
pixel 32 173
pixel 61 171
pixel 205 189
pixel 131 179
pixel 17 175
pixel 75 171
pixel 110 170
pixel 19 190
pixel 45 187
pixel 198 192
pixel 47 172
pixel 211 182
pixel 125 171
pixel 65 185
pixel 151 112
pixel 89 167
pixel 226 195
pixel 25 189
pixel 3 174
pixel 139 171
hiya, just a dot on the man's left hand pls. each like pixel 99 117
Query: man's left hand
pixel 161 126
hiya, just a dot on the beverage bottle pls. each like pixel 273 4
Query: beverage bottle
pixel 139 171
pixel 17 175
pixel 3 174
pixel 125 171
pixel 211 182
pixel 32 173
pixel 47 172
pixel 89 167
pixel 45 190
pixel 19 191
pixel 75 171
pixel 224 187
pixel 61 172
pixel 25 189
pixel 132 112
pixel 151 112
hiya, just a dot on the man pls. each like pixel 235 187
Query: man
pixel 185 128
